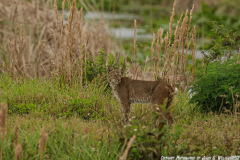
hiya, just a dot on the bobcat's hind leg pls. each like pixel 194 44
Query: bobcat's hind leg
pixel 164 115
pixel 159 96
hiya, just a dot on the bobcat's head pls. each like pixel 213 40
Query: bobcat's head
pixel 114 76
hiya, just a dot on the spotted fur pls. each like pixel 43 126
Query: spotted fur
pixel 128 91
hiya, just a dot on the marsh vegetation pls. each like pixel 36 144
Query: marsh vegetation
pixel 56 102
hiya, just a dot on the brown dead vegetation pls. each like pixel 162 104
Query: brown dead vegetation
pixel 36 40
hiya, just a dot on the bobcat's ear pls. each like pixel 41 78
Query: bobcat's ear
pixel 109 69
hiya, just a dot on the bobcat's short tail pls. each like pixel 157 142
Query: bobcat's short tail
pixel 170 97
pixel 175 91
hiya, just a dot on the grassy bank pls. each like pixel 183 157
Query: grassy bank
pixel 56 102
pixel 102 135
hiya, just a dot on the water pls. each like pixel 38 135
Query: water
pixel 109 16
pixel 123 32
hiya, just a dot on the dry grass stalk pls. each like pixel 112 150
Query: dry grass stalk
pixel 171 21
pixel 173 63
pixel 124 156
pixel 134 61
pixel 70 39
pixel 152 52
pixel 175 53
pixel 16 134
pixel 18 150
pixel 166 59
pixel 157 50
pixel 80 43
pixel 183 33
pixel 3 118
pixel 42 142
pixel 159 47
pixel 145 66
pixel 194 53
pixel 56 9
pixel 41 44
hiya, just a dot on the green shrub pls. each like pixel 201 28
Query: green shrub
pixel 224 45
pixel 218 89
pixel 98 65
pixel 147 144
pixel 149 128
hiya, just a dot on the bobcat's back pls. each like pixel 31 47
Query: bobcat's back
pixel 137 91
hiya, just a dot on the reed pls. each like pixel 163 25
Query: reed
pixel 3 118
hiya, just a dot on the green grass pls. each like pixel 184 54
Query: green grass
pixel 74 135
pixel 70 138
pixel 47 96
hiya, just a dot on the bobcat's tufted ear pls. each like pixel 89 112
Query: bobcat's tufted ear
pixel 109 69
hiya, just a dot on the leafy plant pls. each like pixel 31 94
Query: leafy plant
pixel 149 129
pixel 224 12
pixel 223 45
pixel 218 89
pixel 98 65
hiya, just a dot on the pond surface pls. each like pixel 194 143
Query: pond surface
pixel 123 32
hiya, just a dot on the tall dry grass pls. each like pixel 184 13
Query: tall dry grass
pixel 169 53
pixel 18 148
pixel 3 117
pixel 36 40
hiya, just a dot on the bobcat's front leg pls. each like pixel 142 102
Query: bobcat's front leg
pixel 125 111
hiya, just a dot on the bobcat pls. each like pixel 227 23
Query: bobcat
pixel 128 91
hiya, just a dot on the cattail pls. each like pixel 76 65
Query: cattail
pixel 42 142
pixel 18 150
pixel 3 117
